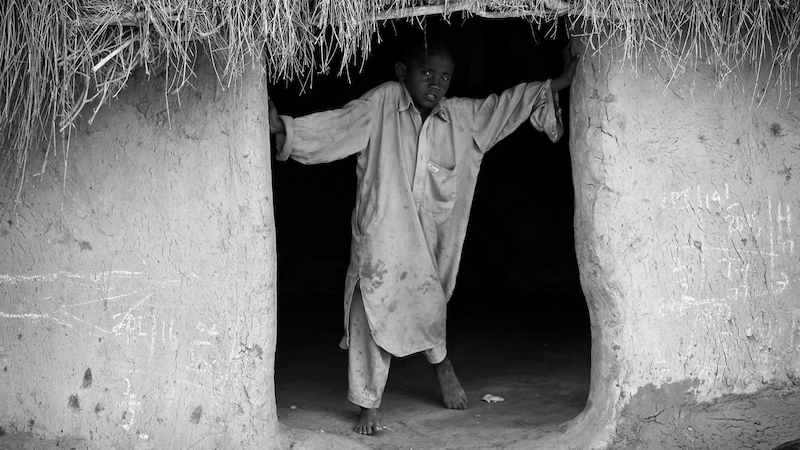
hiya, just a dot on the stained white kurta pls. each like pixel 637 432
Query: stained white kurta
pixel 416 181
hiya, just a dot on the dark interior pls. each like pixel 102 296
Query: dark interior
pixel 518 309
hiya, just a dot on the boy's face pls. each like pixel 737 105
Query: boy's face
pixel 427 78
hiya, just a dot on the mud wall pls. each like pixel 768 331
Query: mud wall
pixel 687 198
pixel 137 301
pixel 137 304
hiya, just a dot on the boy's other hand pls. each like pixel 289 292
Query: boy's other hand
pixel 570 57
pixel 275 122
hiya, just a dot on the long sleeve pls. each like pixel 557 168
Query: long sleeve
pixel 329 135
pixel 496 116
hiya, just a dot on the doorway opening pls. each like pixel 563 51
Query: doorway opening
pixel 518 323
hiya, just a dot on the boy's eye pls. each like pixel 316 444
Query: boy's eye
pixel 445 77
pixel 427 73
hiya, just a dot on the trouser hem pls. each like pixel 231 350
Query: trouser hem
pixel 437 354
pixel 363 401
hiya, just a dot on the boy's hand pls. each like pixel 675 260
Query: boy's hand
pixel 570 56
pixel 275 123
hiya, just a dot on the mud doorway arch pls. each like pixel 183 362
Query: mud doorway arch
pixel 518 324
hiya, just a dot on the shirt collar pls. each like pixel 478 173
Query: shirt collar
pixel 406 102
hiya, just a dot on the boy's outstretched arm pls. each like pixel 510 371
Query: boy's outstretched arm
pixel 570 56
pixel 323 136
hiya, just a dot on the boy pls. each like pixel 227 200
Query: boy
pixel 419 154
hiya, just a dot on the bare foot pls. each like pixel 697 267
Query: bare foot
pixel 453 395
pixel 369 422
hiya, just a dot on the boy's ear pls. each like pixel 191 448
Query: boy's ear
pixel 400 71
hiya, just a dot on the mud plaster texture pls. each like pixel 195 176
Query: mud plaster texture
pixel 685 234
pixel 138 277
pixel 669 417
pixel 150 263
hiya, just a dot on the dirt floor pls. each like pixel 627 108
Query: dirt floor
pixel 538 363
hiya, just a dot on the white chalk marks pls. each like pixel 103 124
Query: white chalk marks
pixel 118 293
pixel 148 319
pixel 731 252
pixel 733 275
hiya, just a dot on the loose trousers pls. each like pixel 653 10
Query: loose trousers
pixel 368 364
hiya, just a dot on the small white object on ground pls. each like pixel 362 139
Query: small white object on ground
pixel 489 398
pixel 293 407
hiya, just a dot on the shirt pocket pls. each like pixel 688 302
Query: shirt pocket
pixel 442 186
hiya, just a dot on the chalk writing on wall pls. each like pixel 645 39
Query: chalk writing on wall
pixel 135 311
pixel 118 290
pixel 734 270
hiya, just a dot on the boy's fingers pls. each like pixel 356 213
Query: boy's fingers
pixel 574 45
pixel 280 141
pixel 570 51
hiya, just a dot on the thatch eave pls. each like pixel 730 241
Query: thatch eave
pixel 58 56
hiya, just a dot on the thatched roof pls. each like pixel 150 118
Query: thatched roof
pixel 60 55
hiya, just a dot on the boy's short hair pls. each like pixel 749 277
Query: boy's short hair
pixel 426 46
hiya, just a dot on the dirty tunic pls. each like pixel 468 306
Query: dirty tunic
pixel 416 180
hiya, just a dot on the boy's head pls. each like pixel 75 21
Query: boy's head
pixel 426 70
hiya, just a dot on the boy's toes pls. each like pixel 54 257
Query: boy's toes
pixel 367 429
pixel 458 402
pixel 368 423
pixel 456 399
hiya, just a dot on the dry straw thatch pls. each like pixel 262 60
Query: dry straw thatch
pixel 60 55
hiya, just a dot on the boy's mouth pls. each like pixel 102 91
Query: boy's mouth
pixel 431 96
